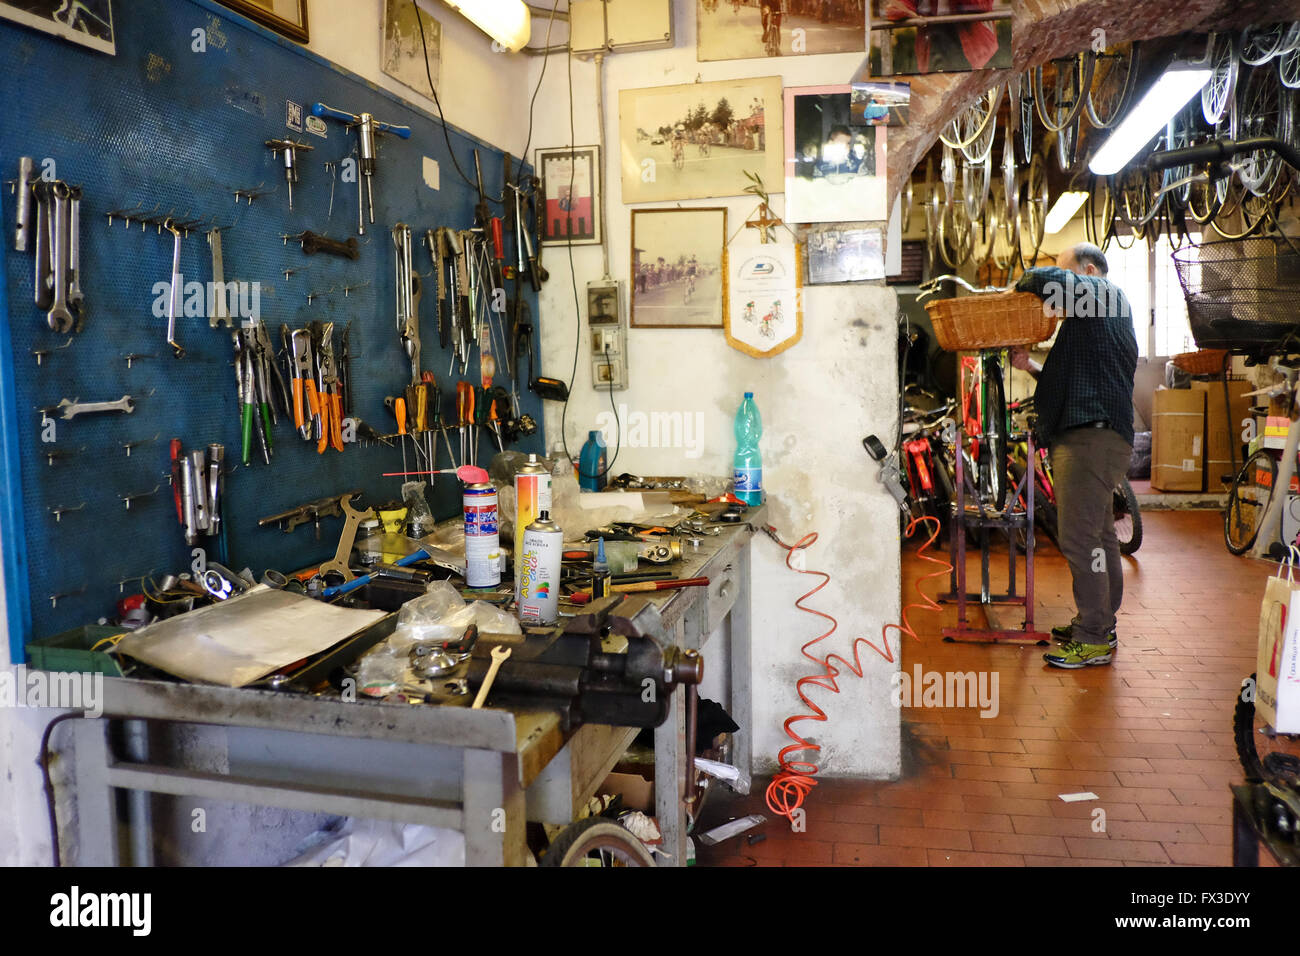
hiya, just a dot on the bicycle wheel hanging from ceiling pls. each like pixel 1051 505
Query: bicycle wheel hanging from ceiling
pixel 1262 107
pixel 1259 44
pixel 968 126
pixel 1216 95
pixel 1099 213
pixel 1034 209
pixel 1059 102
pixel 1023 104
pixel 1114 78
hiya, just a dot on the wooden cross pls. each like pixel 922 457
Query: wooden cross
pixel 765 221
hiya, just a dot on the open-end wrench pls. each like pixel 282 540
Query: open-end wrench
pixel 352 519
pixel 220 315
pixel 72 408
pixel 59 318
pixel 499 655
pixel 41 277
pixel 76 298
pixel 174 288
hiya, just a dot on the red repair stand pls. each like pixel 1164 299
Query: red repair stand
pixel 977 516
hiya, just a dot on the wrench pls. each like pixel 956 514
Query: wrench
pixel 71 409
pixel 174 291
pixel 219 314
pixel 76 297
pixel 41 276
pixel 352 519
pixel 499 655
pixel 24 189
pixel 59 318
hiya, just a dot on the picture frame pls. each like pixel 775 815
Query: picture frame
pixel 679 268
pixel 844 252
pixel 697 140
pixel 834 170
pixel 880 103
pixel 402 48
pixel 739 29
pixel 570 209
pixel 285 17
pixel 902 41
pixel 88 23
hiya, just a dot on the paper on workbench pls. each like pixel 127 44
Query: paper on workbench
pixel 238 641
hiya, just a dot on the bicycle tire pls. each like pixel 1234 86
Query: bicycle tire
pixel 1275 768
pixel 1239 530
pixel 1224 64
pixel 596 834
pixel 989 113
pixel 1126 505
pixel 995 437
pixel 1126 93
pixel 1084 63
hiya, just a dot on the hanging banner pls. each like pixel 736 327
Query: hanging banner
pixel 765 299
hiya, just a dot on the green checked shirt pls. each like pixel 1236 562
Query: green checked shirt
pixel 1088 374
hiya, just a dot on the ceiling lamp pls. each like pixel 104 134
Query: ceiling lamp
pixel 505 21
pixel 1063 210
pixel 1169 94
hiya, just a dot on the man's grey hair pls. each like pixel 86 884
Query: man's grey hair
pixel 1085 253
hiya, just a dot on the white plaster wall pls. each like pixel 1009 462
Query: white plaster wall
pixel 818 400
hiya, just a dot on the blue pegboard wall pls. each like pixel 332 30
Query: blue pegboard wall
pixel 159 124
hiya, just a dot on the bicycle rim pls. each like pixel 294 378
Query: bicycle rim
pixel 1247 501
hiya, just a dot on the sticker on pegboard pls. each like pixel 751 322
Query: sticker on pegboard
pixel 250 101
pixel 316 126
pixel 293 115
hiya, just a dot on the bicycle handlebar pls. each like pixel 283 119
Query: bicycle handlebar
pixel 1220 150
pixel 932 285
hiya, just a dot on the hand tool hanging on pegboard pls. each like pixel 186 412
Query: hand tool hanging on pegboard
pixel 288 150
pixel 408 298
pixel 49 220
pixel 367 127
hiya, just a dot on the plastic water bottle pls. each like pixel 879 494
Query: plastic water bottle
pixel 591 462
pixel 749 461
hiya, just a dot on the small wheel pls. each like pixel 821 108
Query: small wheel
pixel 1128 518
pixel 596 841
pixel 1247 501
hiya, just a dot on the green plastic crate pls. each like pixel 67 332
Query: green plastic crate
pixel 70 652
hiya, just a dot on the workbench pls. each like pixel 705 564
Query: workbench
pixel 482 772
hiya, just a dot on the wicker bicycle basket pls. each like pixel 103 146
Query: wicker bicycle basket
pixel 1202 361
pixel 990 321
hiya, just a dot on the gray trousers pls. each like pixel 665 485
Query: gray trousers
pixel 1087 463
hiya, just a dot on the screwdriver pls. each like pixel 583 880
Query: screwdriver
pixel 399 410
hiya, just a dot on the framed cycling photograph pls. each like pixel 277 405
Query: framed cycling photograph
pixel 742 29
pixel 571 199
pixel 89 22
pixel 914 37
pixel 697 140
pixel 679 268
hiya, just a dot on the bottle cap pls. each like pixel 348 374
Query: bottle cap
pixel 749 394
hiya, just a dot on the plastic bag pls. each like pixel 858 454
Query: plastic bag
pixel 441 614
pixel 419 519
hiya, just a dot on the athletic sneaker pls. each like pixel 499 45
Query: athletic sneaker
pixel 1062 635
pixel 1074 655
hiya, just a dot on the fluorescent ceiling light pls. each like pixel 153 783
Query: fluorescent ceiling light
pixel 1169 94
pixel 1067 204
pixel 505 21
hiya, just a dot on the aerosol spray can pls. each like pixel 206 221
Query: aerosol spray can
pixel 482 536
pixel 532 497
pixel 539 573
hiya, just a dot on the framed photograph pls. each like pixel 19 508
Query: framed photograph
pixel 679 268
pixel 834 168
pixel 286 17
pixel 696 141
pixel 403 50
pixel 880 104
pixel 89 22
pixel 742 29
pixel 914 37
pixel 765 309
pixel 844 252
pixel 570 195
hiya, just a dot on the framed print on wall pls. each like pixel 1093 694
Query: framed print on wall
pixel 834 168
pixel 697 140
pixel 286 17
pixel 941 46
pixel 679 268
pixel 741 29
pixel 403 49
pixel 89 22
pixel 844 252
pixel 570 195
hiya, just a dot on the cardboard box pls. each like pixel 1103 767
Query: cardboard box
pixel 1224 433
pixel 1178 439
pixel 637 792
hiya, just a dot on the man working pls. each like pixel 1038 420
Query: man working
pixel 1085 416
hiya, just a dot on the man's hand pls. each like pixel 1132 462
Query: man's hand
pixel 1020 359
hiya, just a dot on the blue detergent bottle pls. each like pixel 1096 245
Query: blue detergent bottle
pixel 592 464
pixel 749 461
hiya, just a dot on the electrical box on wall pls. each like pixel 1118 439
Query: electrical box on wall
pixel 608 335
pixel 618 25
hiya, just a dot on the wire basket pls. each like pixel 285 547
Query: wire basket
pixel 1243 295
pixel 990 321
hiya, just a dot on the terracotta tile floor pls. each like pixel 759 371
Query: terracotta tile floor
pixel 1151 734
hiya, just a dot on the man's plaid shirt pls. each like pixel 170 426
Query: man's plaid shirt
pixel 1088 374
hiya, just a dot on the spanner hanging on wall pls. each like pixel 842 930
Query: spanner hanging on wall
pixel 367 127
